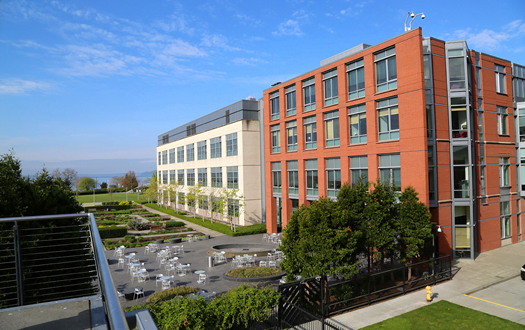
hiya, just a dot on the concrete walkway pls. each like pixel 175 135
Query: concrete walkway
pixel 197 228
pixel 490 284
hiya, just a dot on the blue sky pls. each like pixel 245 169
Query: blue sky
pixel 100 80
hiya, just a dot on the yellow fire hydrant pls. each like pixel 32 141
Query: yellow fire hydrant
pixel 429 293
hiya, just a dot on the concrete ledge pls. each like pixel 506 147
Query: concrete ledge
pixel 254 279
pixel 240 249
pixel 140 319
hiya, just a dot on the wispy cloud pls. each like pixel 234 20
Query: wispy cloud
pixel 490 39
pixel 247 61
pixel 288 28
pixel 176 22
pixel 19 86
pixel 217 40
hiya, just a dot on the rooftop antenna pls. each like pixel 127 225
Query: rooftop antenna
pixel 411 14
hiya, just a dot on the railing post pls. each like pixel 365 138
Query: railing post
pixel 434 270
pixel 368 293
pixel 404 284
pixel 18 265
pixel 280 307
pixel 323 278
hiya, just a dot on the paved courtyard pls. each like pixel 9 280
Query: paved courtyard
pixel 196 254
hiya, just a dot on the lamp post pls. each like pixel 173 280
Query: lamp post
pixel 94 187
pixel 411 14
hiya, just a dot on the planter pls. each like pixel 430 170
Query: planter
pixel 523 272
pixel 160 241
pixel 175 240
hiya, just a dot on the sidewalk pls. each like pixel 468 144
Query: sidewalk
pixel 492 283
pixel 197 228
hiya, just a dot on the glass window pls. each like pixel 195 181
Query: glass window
pixel 456 68
pixel 293 177
pixel 430 121
pixel 460 158
pixel 500 78
pixel 331 122
pixel 357 124
pixel 232 177
pixel 164 157
pixel 165 177
pixel 426 67
pixel 172 156
pixel 310 133
pixel 521 120
pixel 275 135
pixel 274 105
pixel 504 169
pixel 358 168
pixel 203 176
pixel 159 159
pixel 388 113
pixel 190 153
pixel 312 188
pixel 216 177
pixel 390 170
pixel 201 150
pixel 291 135
pixel 462 231
pixel 505 219
pixel 331 95
pixel 276 177
pixel 180 177
pixel 356 79
pixel 190 177
pixel 182 198
pixel 459 117
pixel 386 71
pixel 180 154
pixel 231 144
pixel 502 121
pixel 431 178
pixel 290 101
pixel 216 147
pixel 333 176
pixel 309 94
pixel 172 176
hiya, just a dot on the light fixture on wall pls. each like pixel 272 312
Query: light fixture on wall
pixel 411 14
pixel 439 229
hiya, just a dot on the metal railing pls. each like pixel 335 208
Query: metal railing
pixel 56 257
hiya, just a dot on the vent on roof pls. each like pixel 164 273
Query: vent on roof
pixel 165 139
pixel 344 54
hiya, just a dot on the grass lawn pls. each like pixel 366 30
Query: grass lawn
pixel 119 197
pixel 221 228
pixel 445 315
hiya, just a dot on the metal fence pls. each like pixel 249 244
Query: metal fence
pixel 306 304
pixel 51 258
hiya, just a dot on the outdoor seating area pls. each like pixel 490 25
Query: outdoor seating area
pixel 273 238
pixel 161 266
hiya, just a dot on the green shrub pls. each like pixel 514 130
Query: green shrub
pixel 189 229
pixel 170 294
pixel 101 207
pixel 253 272
pixel 140 239
pixel 108 242
pixel 137 225
pixel 106 222
pixel 171 224
pixel 129 238
pixel 112 232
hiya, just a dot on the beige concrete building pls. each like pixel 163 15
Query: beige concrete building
pixel 221 151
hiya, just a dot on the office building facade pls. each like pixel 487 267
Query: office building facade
pixel 415 110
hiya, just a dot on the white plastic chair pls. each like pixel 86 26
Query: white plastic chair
pixel 272 263
pixel 137 293
pixel 122 262
pixel 202 279
pixel 262 263
pixel 166 285
pixel 157 278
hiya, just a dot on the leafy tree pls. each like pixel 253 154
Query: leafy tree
pixel 213 194
pixel 104 185
pixel 225 205
pixel 130 180
pixel 86 183
pixel 193 195
pixel 317 242
pixel 173 190
pixel 415 227
pixel 14 190
pixel 116 181
pixel 68 175
pixel 383 215
pixel 152 191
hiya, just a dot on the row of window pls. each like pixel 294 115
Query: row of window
pixel 177 177
pixel 389 170
pixel 386 79
pixel 388 115
pixel 215 150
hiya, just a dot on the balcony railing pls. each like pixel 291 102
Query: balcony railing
pixel 52 258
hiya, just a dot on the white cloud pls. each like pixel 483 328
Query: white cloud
pixel 217 40
pixel 288 28
pixel 489 39
pixel 19 86
pixel 247 61
pixel 176 22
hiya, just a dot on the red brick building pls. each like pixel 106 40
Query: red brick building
pixel 418 111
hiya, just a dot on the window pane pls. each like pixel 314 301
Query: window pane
pixel 392 72
pixel 381 72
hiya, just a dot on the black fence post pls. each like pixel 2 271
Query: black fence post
pixel 434 270
pixel 18 265
pixel 404 283
pixel 368 293
pixel 280 308
pixel 323 278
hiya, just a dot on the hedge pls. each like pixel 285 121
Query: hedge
pixel 112 232
pixel 221 228
pixel 170 224
pixel 111 207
